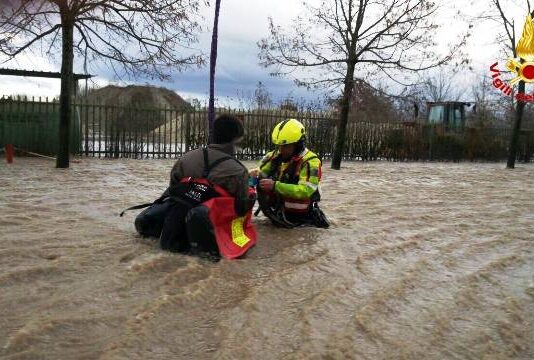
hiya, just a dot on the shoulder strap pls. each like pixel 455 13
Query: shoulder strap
pixel 142 206
pixel 206 170
pixel 304 162
pixel 311 158
pixel 266 159
pixel 208 167
pixel 276 161
pixel 218 161
pixel 307 162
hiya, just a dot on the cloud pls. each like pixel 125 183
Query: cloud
pixel 242 25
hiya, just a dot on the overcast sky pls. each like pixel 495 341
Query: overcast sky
pixel 242 24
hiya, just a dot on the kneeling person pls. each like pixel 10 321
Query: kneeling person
pixel 289 179
pixel 208 202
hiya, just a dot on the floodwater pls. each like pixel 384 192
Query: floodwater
pixel 423 261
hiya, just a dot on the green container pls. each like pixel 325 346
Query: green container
pixel 34 126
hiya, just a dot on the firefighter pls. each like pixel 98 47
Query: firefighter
pixel 289 177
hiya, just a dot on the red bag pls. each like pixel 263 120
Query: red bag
pixel 234 234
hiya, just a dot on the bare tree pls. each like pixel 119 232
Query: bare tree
pixel 259 99
pixel 133 37
pixel 491 109
pixel 340 37
pixel 370 105
pixel 440 87
pixel 262 97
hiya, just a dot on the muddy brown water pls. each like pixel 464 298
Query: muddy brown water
pixel 423 261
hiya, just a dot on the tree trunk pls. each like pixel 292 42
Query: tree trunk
pixel 213 61
pixel 343 117
pixel 514 141
pixel 65 97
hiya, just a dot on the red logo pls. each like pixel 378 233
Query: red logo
pixel 523 68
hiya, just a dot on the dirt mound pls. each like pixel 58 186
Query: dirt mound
pixel 139 96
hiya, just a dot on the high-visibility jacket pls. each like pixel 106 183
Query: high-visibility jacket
pixel 297 180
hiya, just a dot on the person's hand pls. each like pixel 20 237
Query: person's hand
pixel 267 184
pixel 254 172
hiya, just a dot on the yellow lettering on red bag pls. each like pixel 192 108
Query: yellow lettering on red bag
pixel 238 234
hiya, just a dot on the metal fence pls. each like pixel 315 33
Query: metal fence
pixel 131 132
pixel 113 131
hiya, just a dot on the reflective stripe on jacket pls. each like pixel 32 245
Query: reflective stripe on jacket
pixel 297 180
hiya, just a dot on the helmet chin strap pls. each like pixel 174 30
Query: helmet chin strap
pixel 299 148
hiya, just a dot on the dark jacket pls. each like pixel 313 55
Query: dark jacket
pixel 230 174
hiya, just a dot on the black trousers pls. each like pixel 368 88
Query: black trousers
pixel 314 217
pixel 180 227
pixel 150 221
pixel 189 230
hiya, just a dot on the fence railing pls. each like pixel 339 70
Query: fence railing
pixel 130 132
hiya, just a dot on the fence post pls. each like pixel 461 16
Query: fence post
pixel 187 130
pixel 10 150
pixel 431 142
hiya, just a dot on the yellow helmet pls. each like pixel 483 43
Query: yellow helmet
pixel 288 131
